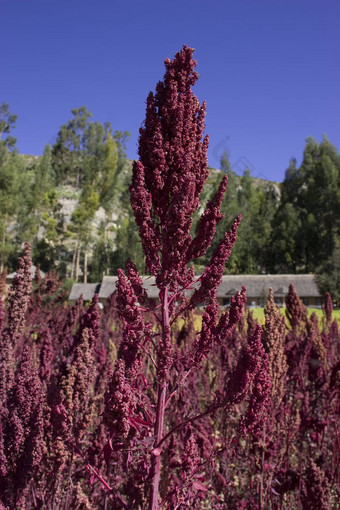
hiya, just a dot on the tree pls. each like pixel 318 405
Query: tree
pixel 258 204
pixel 88 156
pixel 291 186
pixel 127 245
pixel 7 123
pixel 11 177
pixel 307 223
pixel 319 201
pixel 245 256
pixel 85 150
pixel 284 254
pixel 94 152
pixel 100 263
pixel 38 196
pixel 68 151
pixel 328 275
pixel 81 226
pixel 108 172
pixel 43 180
pixel 38 218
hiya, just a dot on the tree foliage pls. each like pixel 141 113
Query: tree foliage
pixel 7 124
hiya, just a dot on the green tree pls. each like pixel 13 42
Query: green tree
pixel 127 245
pixel 245 257
pixel 43 181
pixel 68 151
pixel 93 152
pixel 108 173
pixel 319 201
pixel 10 188
pixel 284 253
pixel 292 183
pixel 100 263
pixel 328 275
pixel 81 227
pixel 257 201
pixel 38 217
pixel 7 123
pixel 87 155
pixel 87 152
pixel 311 200
pixel 12 173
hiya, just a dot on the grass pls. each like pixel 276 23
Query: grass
pixel 258 313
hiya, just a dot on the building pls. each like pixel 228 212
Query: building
pixel 10 277
pixel 87 290
pixel 257 288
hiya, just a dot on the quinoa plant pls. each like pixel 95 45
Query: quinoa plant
pixel 166 185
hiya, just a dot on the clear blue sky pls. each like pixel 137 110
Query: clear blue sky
pixel 269 70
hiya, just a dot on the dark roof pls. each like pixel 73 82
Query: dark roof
pixel 88 290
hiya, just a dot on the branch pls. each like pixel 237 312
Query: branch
pixel 186 421
pixel 188 482
pixel 92 470
pixel 177 386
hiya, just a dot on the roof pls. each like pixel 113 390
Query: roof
pixel 87 290
pixel 108 286
pixel 32 271
pixel 258 285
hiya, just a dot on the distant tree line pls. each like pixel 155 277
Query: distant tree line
pixel 292 227
pixel 88 164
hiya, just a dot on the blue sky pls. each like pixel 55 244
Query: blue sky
pixel 269 70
